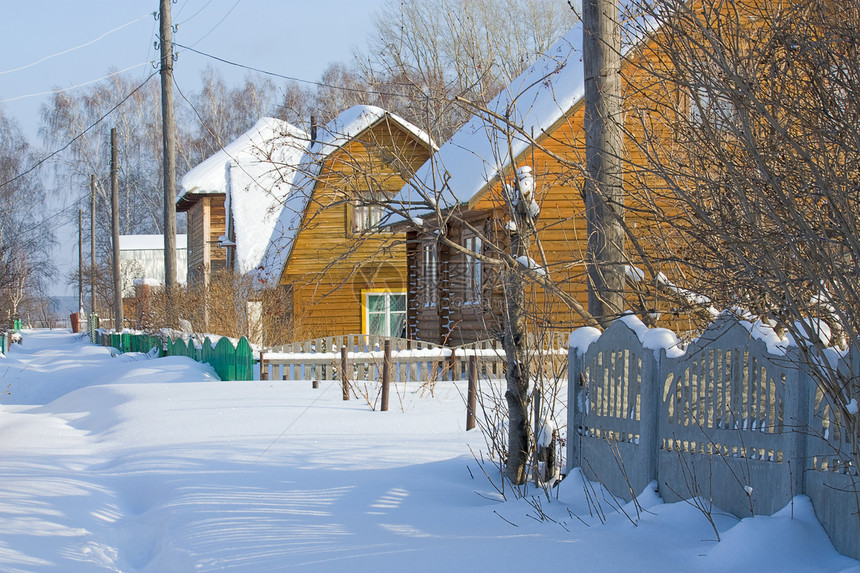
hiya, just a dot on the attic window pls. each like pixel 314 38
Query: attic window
pixel 710 102
pixel 712 109
pixel 367 212
pixel 366 217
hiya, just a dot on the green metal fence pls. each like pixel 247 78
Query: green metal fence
pixel 229 362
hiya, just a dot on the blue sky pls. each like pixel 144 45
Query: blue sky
pixel 58 44
pixel 290 37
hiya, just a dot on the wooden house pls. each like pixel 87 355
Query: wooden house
pixel 343 273
pixel 458 201
pixel 231 198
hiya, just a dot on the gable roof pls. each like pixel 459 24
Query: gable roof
pixel 258 185
pixel 534 102
pixel 478 152
pixel 254 172
pixel 345 127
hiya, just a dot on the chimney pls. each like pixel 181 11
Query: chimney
pixel 313 129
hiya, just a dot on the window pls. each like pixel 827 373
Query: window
pixel 367 211
pixel 472 270
pixel 366 217
pixel 430 274
pixel 384 313
pixel 709 106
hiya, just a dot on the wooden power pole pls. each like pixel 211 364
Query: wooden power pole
pixel 604 192
pixel 169 135
pixel 114 205
pixel 80 265
pixel 93 244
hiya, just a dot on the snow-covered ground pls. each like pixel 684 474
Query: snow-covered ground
pixel 133 464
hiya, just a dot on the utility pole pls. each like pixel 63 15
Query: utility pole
pixel 114 206
pixel 604 192
pixel 169 134
pixel 93 243
pixel 80 265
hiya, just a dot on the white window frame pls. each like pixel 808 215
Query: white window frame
pixel 472 271
pixel 366 217
pixel 387 312
pixel 430 273
pixel 713 109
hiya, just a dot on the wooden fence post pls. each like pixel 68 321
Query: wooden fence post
pixel 386 372
pixel 264 369
pixel 344 372
pixel 471 399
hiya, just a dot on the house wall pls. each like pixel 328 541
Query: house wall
pixel 561 244
pixel 330 265
pixel 206 222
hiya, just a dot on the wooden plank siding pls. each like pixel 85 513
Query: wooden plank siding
pixel 561 228
pixel 329 264
pixel 206 222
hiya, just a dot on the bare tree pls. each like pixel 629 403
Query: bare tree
pixel 422 53
pixel 77 119
pixel 25 234
pixel 218 113
pixel 755 142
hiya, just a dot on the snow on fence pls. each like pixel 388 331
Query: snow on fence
pixel 320 359
pixel 734 418
pixel 412 360
pixel 230 361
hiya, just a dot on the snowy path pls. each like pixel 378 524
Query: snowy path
pixel 126 464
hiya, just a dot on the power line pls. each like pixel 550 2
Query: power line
pixel 80 135
pixel 221 21
pixel 193 15
pixel 61 90
pixel 292 78
pixel 46 58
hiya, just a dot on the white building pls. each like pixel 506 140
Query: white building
pixel 141 258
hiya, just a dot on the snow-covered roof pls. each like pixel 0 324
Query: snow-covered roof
pixel 254 172
pixel 478 151
pixel 345 127
pixel 210 176
pixel 148 242
pixel 259 178
pixel 534 102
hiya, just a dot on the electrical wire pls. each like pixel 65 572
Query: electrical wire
pixel 80 135
pixel 61 90
pixel 221 21
pixel 291 78
pixel 193 15
pixel 46 58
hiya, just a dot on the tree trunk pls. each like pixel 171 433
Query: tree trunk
pixel 514 343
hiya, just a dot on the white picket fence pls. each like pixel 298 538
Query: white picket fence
pixel 412 360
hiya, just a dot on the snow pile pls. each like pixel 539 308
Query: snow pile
pixel 259 181
pixel 154 465
pixel 532 265
pixel 581 338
